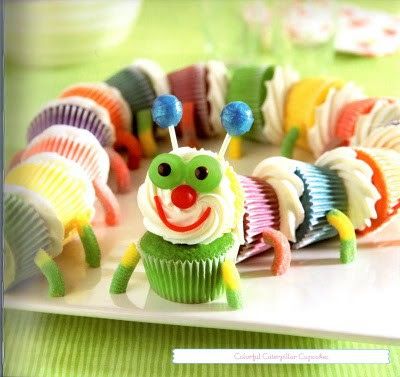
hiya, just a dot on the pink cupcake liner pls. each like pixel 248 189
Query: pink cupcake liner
pixel 261 212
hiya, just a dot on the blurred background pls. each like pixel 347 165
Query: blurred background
pixel 52 44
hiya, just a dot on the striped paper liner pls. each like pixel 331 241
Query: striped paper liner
pixel 323 190
pixel 385 164
pixel 106 96
pixel 189 85
pixel 65 187
pixel 26 233
pixel 77 145
pixel 77 112
pixel 261 212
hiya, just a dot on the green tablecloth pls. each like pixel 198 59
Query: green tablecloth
pixel 54 345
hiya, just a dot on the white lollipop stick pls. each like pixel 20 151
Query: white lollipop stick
pixel 172 136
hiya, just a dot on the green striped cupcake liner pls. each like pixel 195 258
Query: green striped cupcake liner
pixel 323 191
pixel 135 88
pixel 185 273
pixel 248 85
pixel 25 233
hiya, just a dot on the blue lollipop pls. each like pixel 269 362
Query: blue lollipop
pixel 167 113
pixel 237 119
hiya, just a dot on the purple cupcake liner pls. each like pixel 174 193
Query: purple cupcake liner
pixel 74 115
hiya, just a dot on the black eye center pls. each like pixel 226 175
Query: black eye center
pixel 164 169
pixel 201 173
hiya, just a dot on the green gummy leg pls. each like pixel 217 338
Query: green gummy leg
pixel 120 279
pixel 289 142
pixel 90 245
pixel 348 250
pixel 234 299
pixel 52 273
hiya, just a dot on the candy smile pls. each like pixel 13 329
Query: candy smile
pixel 179 228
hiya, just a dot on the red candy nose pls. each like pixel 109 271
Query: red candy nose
pixel 183 196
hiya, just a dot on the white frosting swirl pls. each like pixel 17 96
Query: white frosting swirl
pixel 217 80
pixel 155 73
pixel 362 195
pixel 273 106
pixel 223 218
pixel 321 136
pixel 96 163
pixel 46 211
pixel 279 172
pixel 384 137
pixel 383 112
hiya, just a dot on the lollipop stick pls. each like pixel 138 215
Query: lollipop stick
pixel 224 145
pixel 172 135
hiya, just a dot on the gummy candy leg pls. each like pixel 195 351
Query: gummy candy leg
pixel 347 234
pixel 282 252
pixel 124 270
pixel 89 242
pixel 231 280
pixel 235 151
pixel 52 273
pixel 120 170
pixel 188 126
pixel 125 140
pixel 108 201
pixel 145 133
pixel 289 142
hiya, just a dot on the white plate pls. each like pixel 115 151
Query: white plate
pixel 318 297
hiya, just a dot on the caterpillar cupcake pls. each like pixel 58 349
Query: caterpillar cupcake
pixel 387 136
pixel 202 218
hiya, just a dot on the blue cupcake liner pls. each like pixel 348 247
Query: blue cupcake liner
pixel 25 233
pixel 323 190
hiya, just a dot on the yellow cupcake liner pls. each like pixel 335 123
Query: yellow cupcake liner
pixel 69 192
pixel 301 102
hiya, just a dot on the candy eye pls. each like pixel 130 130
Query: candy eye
pixel 167 171
pixel 203 173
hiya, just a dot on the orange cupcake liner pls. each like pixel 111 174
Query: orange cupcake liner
pixel 385 165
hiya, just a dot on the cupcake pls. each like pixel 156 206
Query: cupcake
pixel 387 136
pixel 383 112
pixel 30 225
pixel 362 195
pixel 273 106
pixel 248 84
pixel 261 211
pixel 135 88
pixel 192 227
pixel 77 112
pixel 59 181
pixel 189 274
pixel 347 119
pixel 321 136
pixel 190 87
pixel 80 146
pixel 385 164
pixel 106 96
pixel 302 100
pixel 217 87
pixel 155 74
